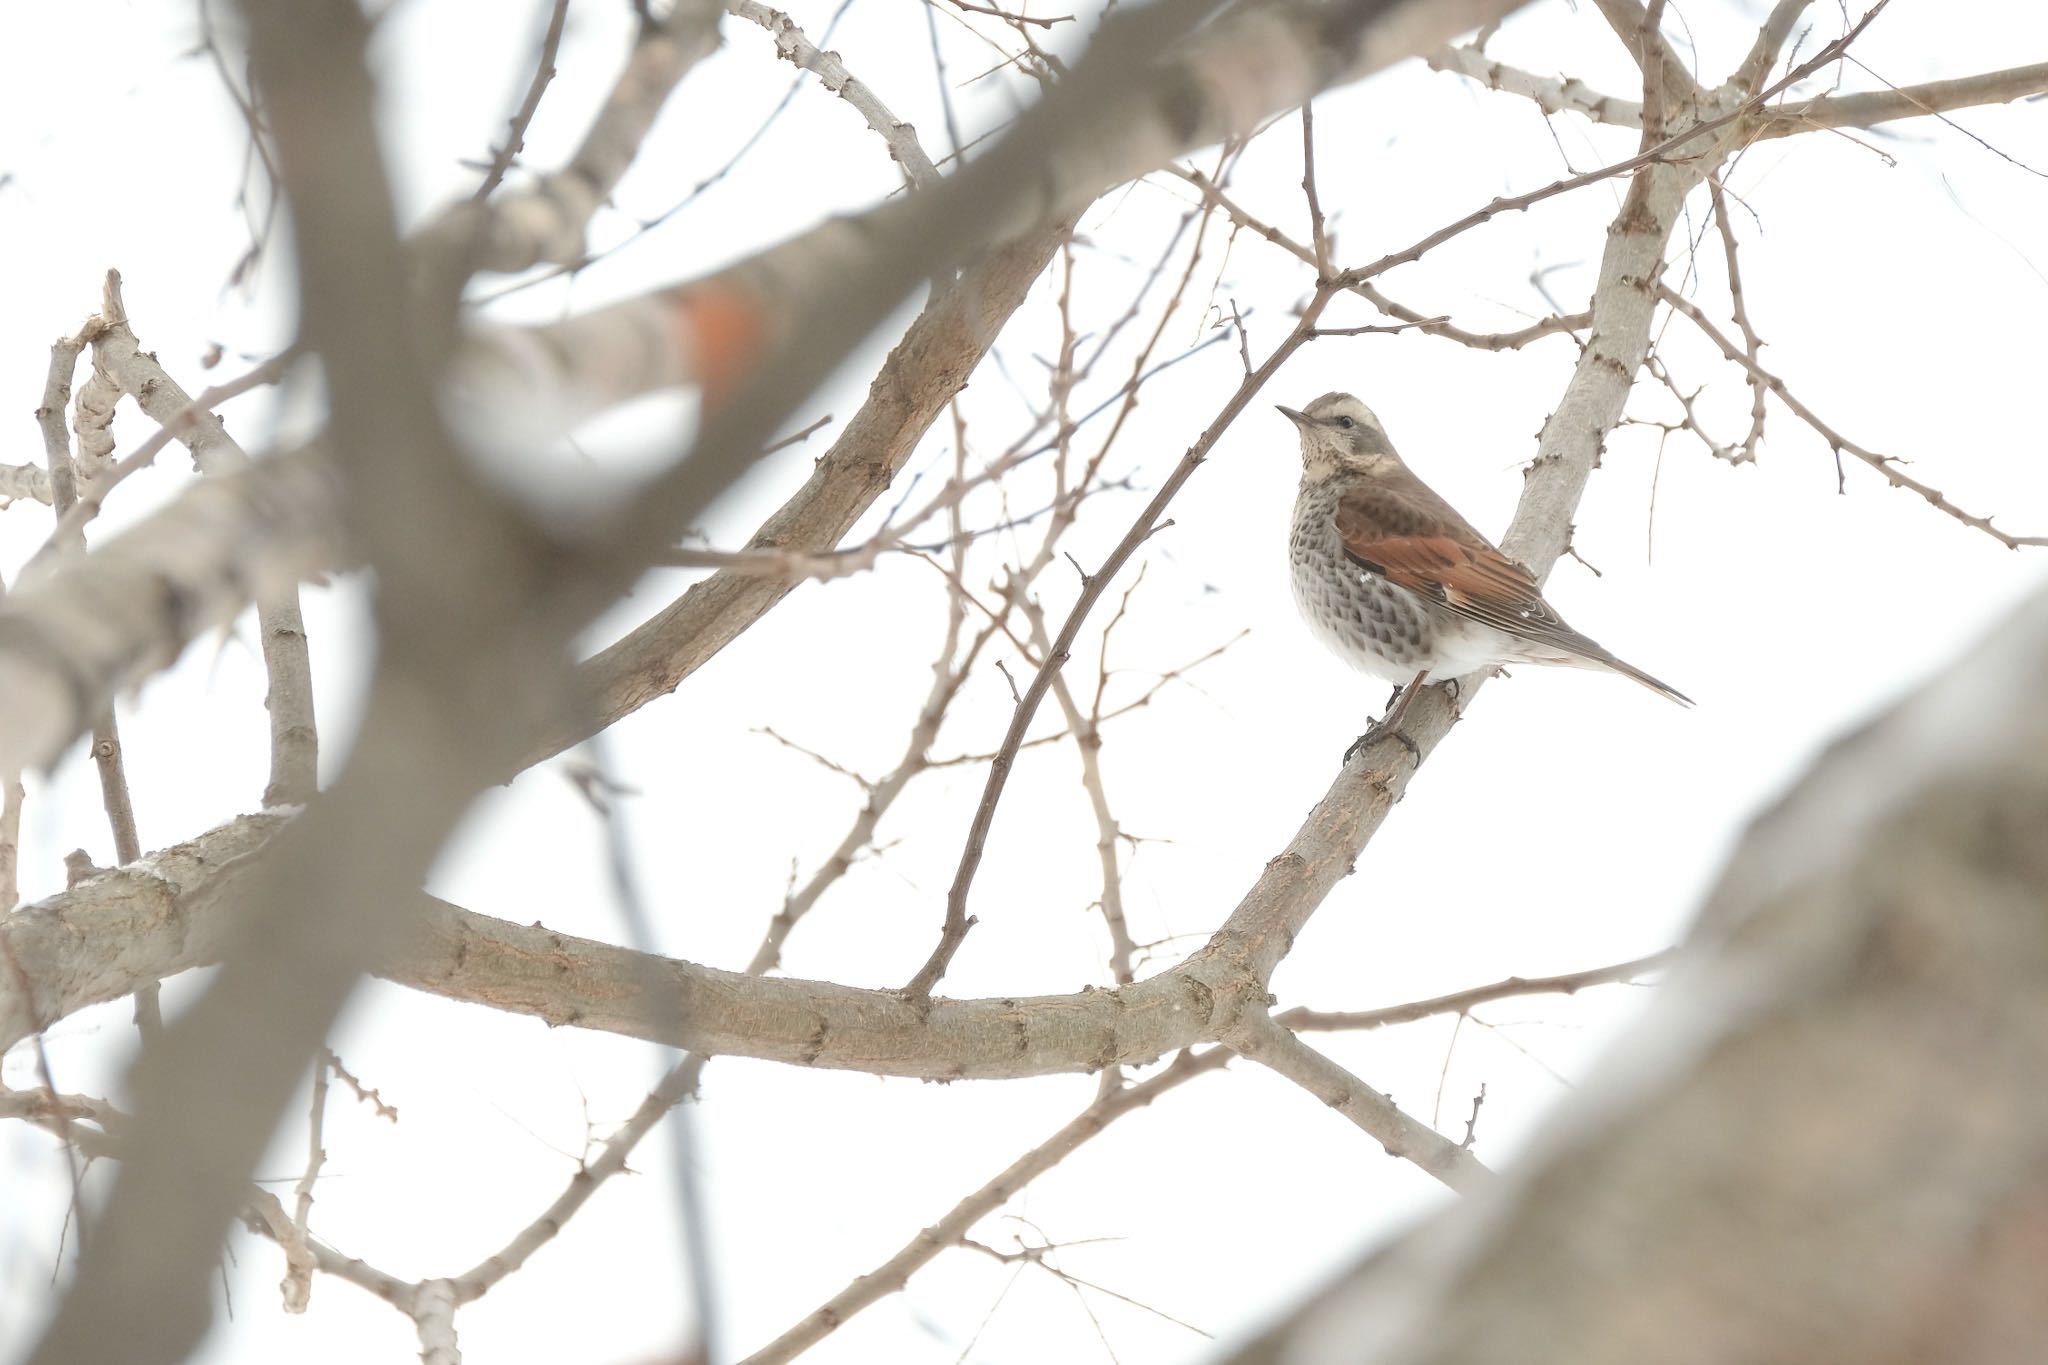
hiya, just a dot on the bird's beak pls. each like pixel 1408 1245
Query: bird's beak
pixel 1300 419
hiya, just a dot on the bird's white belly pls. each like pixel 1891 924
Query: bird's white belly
pixel 1374 626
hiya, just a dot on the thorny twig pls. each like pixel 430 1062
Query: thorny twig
pixel 1887 465
pixel 503 157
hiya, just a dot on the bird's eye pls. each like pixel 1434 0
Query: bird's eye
pixel 1346 423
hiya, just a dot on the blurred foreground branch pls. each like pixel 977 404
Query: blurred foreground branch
pixel 1827 1141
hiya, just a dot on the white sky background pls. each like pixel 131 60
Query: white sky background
pixel 1572 819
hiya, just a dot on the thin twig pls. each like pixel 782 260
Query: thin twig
pixel 952 1228
pixel 1264 1040
pixel 953 930
pixel 800 51
pixel 1010 17
pixel 1740 312
pixel 1316 232
pixel 1551 94
pixel 1143 699
pixel 1660 152
pixel 115 798
pixel 522 118
pixel 93 498
pixel 1887 465
pixel 1433 326
pixel 1463 1002
pixel 1087 734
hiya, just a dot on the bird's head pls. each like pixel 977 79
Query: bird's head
pixel 1339 433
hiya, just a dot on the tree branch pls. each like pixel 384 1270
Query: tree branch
pixel 1263 1040
pixel 1867 110
pixel 1886 465
pixel 892 1275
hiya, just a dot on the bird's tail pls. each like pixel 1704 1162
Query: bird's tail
pixel 1634 674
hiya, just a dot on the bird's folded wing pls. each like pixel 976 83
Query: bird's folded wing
pixel 1436 555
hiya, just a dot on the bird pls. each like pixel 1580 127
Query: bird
pixel 1396 583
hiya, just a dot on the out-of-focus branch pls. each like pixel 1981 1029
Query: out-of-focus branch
pixel 1824 1141
pixel 461 614
pixel 127 927
pixel 546 221
pixel 92 499
pixel 24 481
pixel 294 737
pixel 928 367
pixel 265 1216
pixel 1148 88
pixel 11 797
pixel 71 640
pixel 60 690
pixel 1154 1015
pixel 522 117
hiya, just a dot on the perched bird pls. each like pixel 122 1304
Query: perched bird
pixel 1398 584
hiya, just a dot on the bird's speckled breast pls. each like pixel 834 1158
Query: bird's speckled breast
pixel 1373 625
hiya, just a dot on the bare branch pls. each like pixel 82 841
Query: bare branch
pixel 151 590
pixel 1887 465
pixel 1687 138
pixel 1316 234
pixel 800 51
pixel 1551 94
pixel 1432 326
pixel 1770 40
pixel 433 1312
pixel 1463 1002
pixel 1814 1134
pixel 957 922
pixel 1664 76
pixel 920 377
pixel 294 735
pixel 94 497
pixel 546 222
pixel 29 481
pixel 1087 735
pixel 1739 310
pixel 1867 110
pixel 951 1230
pixel 522 117
pixel 11 797
pixel 1262 1040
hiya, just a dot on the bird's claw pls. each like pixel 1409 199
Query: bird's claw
pixel 1379 730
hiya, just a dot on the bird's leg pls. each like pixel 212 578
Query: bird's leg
pixel 1389 724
